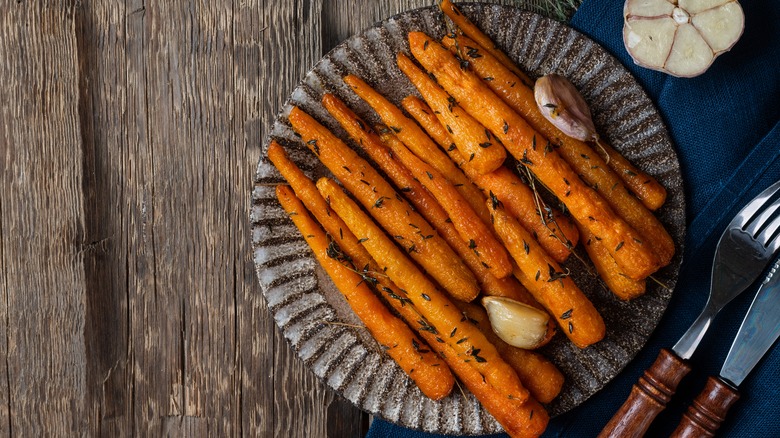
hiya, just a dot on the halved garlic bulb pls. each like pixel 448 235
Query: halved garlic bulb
pixel 516 323
pixel 680 37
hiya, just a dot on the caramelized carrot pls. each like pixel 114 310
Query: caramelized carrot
pixel 542 378
pixel 554 231
pixel 485 153
pixel 387 206
pixel 444 318
pixel 520 419
pixel 423 201
pixel 347 245
pixel 482 40
pixel 424 367
pixel 585 162
pixel 548 283
pixel 470 227
pixel 617 282
pixel 416 140
pixel 645 187
pixel 528 146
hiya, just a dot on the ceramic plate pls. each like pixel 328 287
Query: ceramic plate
pixel 312 314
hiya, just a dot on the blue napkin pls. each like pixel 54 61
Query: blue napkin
pixel 725 127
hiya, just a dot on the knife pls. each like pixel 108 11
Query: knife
pixel 758 332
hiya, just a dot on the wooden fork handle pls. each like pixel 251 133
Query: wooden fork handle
pixel 708 410
pixel 648 397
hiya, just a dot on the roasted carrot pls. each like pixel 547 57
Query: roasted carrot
pixel 306 191
pixel 470 227
pixel 542 378
pixel 528 146
pixel 347 245
pixel 645 187
pixel 548 283
pixel 488 65
pixel 444 318
pixel 617 282
pixel 554 231
pixel 503 409
pixel 585 162
pixel 472 139
pixel 423 201
pixel 427 370
pixel 557 234
pixel 416 140
pixel 482 41
pixel 520 419
pixel 387 206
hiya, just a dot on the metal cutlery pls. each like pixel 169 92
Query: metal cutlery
pixel 745 248
pixel 758 332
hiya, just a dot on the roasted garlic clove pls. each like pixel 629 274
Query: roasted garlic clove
pixel 561 104
pixel 680 37
pixel 516 323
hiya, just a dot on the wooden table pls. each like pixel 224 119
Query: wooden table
pixel 129 134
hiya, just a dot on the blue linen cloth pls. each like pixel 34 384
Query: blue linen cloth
pixel 724 125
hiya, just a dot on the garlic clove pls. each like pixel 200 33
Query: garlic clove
pixel 681 38
pixel 696 6
pixel 561 104
pixel 649 8
pixel 516 323
pixel 690 53
pixel 650 40
pixel 720 27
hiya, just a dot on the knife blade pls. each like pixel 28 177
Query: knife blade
pixel 756 336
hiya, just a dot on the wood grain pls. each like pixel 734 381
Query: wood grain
pixel 41 223
pixel 129 133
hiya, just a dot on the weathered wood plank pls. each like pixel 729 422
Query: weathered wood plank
pixel 255 332
pixel 109 191
pixel 41 222
pixel 291 45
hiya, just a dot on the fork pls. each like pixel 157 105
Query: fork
pixel 745 248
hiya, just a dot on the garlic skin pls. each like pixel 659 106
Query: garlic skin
pixel 561 104
pixel 680 37
pixel 516 323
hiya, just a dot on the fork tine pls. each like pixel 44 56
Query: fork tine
pixel 750 210
pixel 762 218
pixel 769 237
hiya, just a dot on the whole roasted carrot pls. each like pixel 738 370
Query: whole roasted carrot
pixel 528 146
pixel 617 282
pixel 645 187
pixel 472 139
pixel 423 366
pixel 555 232
pixel 548 283
pixel 387 206
pixel 470 227
pixel 422 200
pixel 585 162
pixel 416 140
pixel 542 378
pixel 347 245
pixel 482 40
pixel 493 67
pixel 520 419
pixel 444 318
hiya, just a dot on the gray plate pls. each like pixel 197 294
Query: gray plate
pixel 311 313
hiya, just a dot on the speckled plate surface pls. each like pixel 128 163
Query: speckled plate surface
pixel 315 318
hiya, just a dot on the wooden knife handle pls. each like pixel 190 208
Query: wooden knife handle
pixel 648 397
pixel 708 410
